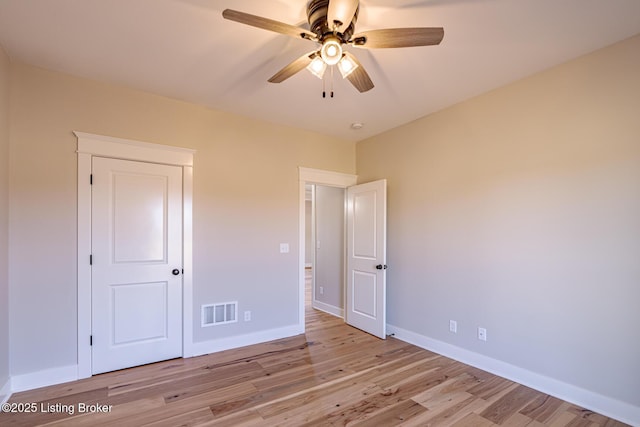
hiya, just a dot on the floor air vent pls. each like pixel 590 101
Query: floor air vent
pixel 219 314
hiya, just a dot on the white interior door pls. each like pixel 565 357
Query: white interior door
pixel 136 277
pixel 366 257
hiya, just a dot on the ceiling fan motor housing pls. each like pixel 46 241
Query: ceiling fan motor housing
pixel 317 16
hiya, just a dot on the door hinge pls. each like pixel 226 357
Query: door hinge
pixel 91 179
pixel 90 339
pixel 90 259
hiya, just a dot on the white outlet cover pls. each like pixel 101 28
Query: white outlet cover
pixel 284 248
pixel 482 334
pixel 453 326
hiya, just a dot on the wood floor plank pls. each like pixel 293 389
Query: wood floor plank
pixel 418 366
pixel 542 408
pixel 435 396
pixel 517 420
pixel 316 410
pixel 456 409
pixel 588 415
pixel 490 387
pixel 194 418
pixel 192 403
pixel 511 403
pixel 247 418
pixel 118 417
pixel 563 420
pixel 473 420
pixel 391 415
pixel 332 375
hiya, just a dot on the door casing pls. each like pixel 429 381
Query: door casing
pixel 90 145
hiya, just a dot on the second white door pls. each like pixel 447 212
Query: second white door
pixel 366 257
pixel 136 263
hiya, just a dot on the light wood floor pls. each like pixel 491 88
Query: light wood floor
pixel 332 375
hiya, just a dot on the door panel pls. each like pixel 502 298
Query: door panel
pixel 139 218
pixel 366 249
pixel 364 225
pixel 364 294
pixel 150 325
pixel 136 243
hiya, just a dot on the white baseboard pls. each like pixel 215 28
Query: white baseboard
pixel 44 378
pixel 5 391
pixel 213 346
pixel 604 405
pixel 328 308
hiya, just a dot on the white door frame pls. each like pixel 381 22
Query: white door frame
pixel 90 145
pixel 319 177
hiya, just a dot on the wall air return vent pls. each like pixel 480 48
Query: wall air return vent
pixel 219 314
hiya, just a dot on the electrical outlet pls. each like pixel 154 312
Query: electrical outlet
pixel 247 316
pixel 321 290
pixel 482 334
pixel 453 326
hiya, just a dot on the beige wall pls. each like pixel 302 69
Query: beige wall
pixel 519 211
pixel 245 205
pixel 4 218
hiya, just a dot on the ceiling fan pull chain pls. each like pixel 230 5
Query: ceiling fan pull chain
pixel 324 92
pixel 332 81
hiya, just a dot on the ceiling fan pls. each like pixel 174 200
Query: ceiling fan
pixel 332 25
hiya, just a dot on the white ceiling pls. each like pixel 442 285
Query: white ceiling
pixel 184 49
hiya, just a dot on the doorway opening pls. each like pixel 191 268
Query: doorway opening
pixel 325 248
pixel 365 206
pixel 309 180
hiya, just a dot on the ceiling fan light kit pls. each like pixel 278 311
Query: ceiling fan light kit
pixel 346 66
pixel 317 67
pixel 332 24
pixel 331 51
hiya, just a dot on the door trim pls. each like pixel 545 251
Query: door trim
pixel 319 177
pixel 90 145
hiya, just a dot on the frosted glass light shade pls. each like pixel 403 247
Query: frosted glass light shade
pixel 346 66
pixel 331 51
pixel 317 67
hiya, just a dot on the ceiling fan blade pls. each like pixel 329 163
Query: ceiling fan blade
pixel 294 67
pixel 267 24
pixel 341 11
pixel 398 37
pixel 359 77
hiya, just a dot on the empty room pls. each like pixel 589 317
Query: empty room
pixel 325 212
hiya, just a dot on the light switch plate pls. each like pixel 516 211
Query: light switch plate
pixel 284 248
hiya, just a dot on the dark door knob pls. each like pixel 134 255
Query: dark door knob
pixel 381 267
pixel 175 272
